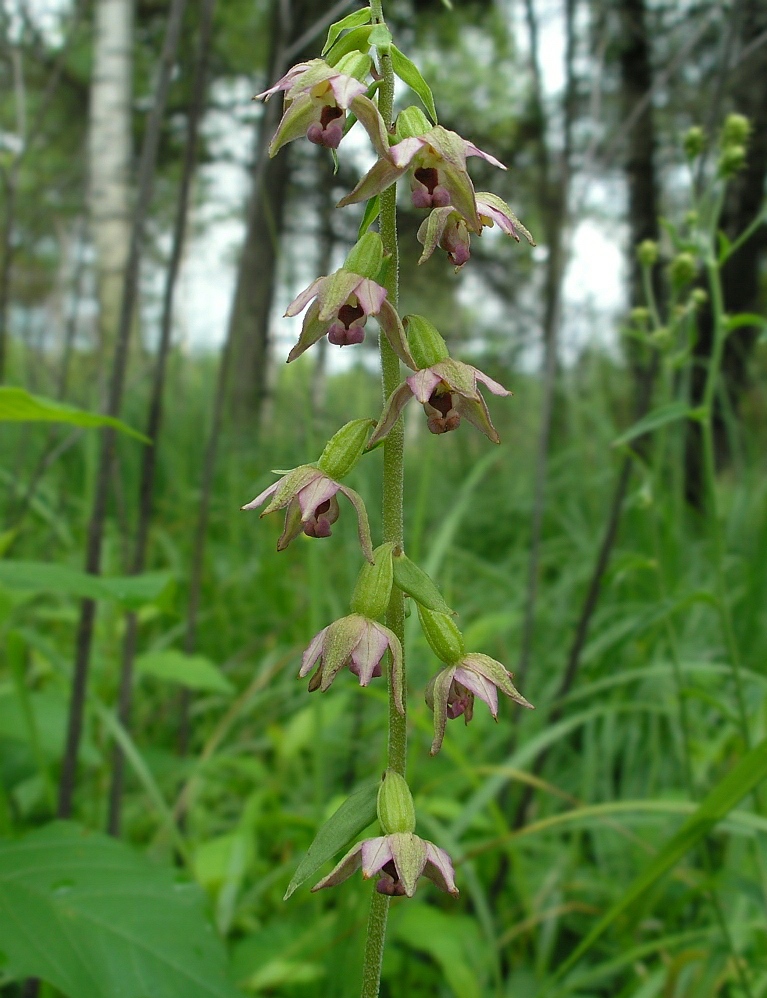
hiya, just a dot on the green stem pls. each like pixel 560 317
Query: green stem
pixel 393 519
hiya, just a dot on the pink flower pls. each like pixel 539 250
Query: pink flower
pixel 451 692
pixel 447 391
pixel 317 97
pixel 437 164
pixel 446 228
pixel 342 303
pixel 357 642
pixel 312 506
pixel 401 858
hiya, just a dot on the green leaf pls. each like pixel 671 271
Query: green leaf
pixel 355 814
pixel 372 210
pixel 17 405
pixel 741 780
pixel 352 20
pixel 90 916
pixel 410 74
pixel 453 941
pixel 669 413
pixel 194 671
pixel 416 583
pixel 132 591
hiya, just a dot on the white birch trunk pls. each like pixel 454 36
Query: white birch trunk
pixel 109 155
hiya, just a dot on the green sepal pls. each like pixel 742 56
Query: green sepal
pixel 373 588
pixel 366 256
pixel 410 74
pixel 396 811
pixel 410 858
pixel 416 583
pixel 353 20
pixel 411 123
pixel 426 344
pixel 443 635
pixel 345 448
pixel 357 40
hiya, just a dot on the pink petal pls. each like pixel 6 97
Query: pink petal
pixel 472 150
pixel 501 220
pixel 376 853
pixel 402 154
pixel 368 652
pixel 314 494
pixel 312 653
pixel 345 89
pixel 439 869
pixel 423 383
pixel 494 387
pixel 480 687
pixel 285 83
pixel 262 496
pixel 343 870
pixel 370 296
pixel 299 304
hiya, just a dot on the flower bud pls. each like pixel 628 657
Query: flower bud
pixel 699 297
pixel 640 316
pixel 344 448
pixel 366 256
pixel 647 253
pixel 356 64
pixel 443 635
pixel 373 589
pixel 694 142
pixel 425 342
pixel 732 160
pixel 411 123
pixel 682 270
pixel 691 219
pixel 661 338
pixel 396 811
pixel 736 130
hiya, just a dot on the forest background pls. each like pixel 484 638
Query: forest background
pixel 148 248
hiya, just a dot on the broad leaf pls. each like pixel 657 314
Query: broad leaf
pixel 132 591
pixel 194 671
pixel 93 917
pixel 416 583
pixel 664 414
pixel 741 780
pixel 355 814
pixel 17 405
pixel 409 73
pixel 353 20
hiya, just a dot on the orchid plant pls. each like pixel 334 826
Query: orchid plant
pixel 352 83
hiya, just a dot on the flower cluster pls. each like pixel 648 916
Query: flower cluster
pixel 323 98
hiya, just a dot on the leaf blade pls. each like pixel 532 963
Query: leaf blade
pixel 19 406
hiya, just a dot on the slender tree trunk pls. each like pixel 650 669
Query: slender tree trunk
pixel 97 522
pixel 741 285
pixel 154 421
pixel 109 158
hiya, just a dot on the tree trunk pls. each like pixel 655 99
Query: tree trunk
pixel 109 158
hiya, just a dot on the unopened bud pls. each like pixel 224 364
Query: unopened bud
pixel 396 811
pixel 682 270
pixel 661 338
pixel 443 635
pixel 411 123
pixel 366 256
pixel 691 219
pixel 425 342
pixel 736 130
pixel 732 160
pixel 373 589
pixel 694 141
pixel 699 297
pixel 345 448
pixel 647 253
pixel 640 316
